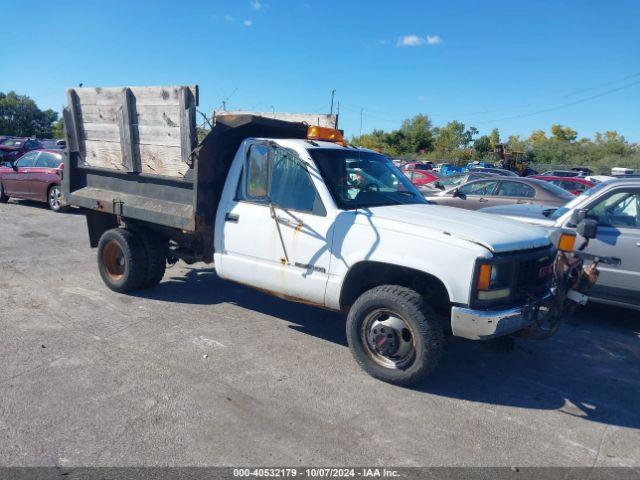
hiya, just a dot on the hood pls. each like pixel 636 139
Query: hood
pixel 529 213
pixel 490 231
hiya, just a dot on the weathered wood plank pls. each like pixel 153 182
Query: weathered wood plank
pixel 187 124
pixel 147 115
pixel 159 160
pixel 143 95
pixel 127 132
pixel 75 120
pixel 70 132
pixel 145 135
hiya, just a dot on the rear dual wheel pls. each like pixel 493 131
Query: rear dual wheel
pixel 129 260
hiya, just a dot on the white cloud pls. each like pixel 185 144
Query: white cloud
pixel 416 41
pixel 410 41
pixel 421 98
pixel 228 18
pixel 256 5
pixel 247 23
pixel 383 42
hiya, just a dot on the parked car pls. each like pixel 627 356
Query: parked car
pixel 574 185
pixel 478 164
pixel 449 181
pixel 494 171
pixel 615 204
pixel 36 175
pixel 52 144
pixel 420 178
pixel 418 166
pixel 14 147
pixel 502 191
pixel 622 171
pixel 561 173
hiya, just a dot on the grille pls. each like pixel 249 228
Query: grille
pixel 528 280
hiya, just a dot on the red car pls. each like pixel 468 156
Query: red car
pixel 13 148
pixel 574 185
pixel 36 175
pixel 421 177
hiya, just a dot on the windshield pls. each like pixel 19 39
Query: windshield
pixel 10 142
pixel 555 190
pixel 576 201
pixel 358 179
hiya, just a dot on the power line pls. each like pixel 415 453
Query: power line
pixel 577 92
pixel 565 105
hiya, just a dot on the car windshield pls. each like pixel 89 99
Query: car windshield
pixel 360 179
pixel 576 201
pixel 10 142
pixel 555 190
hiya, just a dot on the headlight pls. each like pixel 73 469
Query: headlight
pixel 494 281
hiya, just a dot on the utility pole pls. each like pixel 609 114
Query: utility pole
pixel 333 92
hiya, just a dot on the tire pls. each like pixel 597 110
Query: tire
pixel 156 250
pixel 3 197
pixel 53 198
pixel 122 260
pixel 425 335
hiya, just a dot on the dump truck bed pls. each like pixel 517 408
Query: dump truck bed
pixel 133 153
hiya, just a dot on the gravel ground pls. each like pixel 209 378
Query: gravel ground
pixel 199 371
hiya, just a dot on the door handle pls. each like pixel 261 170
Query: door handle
pixel 483 200
pixel 232 217
pixel 521 201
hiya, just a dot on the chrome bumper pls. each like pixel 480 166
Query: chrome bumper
pixel 487 324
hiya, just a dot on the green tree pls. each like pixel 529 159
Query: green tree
pixel 20 116
pixel 482 146
pixel 57 129
pixel 494 138
pixel 563 133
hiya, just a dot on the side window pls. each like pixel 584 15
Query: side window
pixel 27 160
pixel 621 209
pixel 485 187
pixel 291 185
pixel 42 161
pixel 515 189
pixel 257 172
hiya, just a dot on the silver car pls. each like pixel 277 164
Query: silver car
pixel 615 204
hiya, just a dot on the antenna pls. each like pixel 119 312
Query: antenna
pixel 333 92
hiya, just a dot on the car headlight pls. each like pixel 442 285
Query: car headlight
pixel 494 281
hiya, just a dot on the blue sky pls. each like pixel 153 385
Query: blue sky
pixel 518 66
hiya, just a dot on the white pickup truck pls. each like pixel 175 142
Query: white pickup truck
pixel 291 210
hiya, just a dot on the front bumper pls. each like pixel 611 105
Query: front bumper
pixel 487 324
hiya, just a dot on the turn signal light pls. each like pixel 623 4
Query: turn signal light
pixel 567 242
pixel 327 134
pixel 484 278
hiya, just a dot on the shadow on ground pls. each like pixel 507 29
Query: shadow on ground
pixel 590 369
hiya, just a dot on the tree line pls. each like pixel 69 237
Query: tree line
pixel 417 138
pixel 454 142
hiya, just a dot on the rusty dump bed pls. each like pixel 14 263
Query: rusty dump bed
pixel 133 153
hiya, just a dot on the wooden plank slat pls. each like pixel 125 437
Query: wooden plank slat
pixel 147 115
pixel 75 120
pixel 159 160
pixel 70 132
pixel 187 124
pixel 126 116
pixel 143 95
pixel 143 135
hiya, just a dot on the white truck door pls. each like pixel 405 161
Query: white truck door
pixel 253 251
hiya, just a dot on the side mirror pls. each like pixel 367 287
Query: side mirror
pixel 455 193
pixel 588 228
pixel 437 184
pixel 14 166
pixel 578 216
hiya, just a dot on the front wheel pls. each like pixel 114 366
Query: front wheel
pixel 394 335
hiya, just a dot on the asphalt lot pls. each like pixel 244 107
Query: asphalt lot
pixel 91 377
